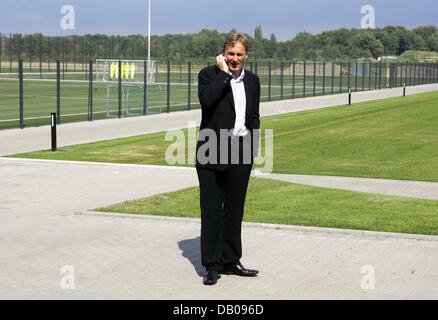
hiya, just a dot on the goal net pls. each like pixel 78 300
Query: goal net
pixel 130 70
pixel 132 100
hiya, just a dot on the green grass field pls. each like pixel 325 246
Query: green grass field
pixel 392 138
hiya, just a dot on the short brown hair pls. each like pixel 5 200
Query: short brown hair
pixel 233 38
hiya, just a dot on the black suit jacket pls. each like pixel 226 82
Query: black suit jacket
pixel 218 112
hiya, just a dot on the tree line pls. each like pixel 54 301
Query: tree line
pixel 341 44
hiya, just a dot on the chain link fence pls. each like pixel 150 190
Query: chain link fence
pixel 34 86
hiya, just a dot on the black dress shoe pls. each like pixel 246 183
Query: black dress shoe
pixel 239 270
pixel 211 277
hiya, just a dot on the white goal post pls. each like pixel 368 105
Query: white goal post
pixel 132 100
pixel 132 71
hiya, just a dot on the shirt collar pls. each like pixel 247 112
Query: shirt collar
pixel 240 78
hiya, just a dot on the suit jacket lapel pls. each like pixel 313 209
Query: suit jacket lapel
pixel 231 97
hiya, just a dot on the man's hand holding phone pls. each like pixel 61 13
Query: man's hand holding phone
pixel 221 62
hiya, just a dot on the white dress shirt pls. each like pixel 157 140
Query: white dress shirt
pixel 239 96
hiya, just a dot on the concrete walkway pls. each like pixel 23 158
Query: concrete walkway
pixel 403 188
pixel 48 234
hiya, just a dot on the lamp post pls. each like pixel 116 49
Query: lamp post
pixel 149 33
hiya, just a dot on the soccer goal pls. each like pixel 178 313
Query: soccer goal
pixel 130 70
pixel 132 102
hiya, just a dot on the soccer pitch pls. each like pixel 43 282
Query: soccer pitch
pixel 40 94
pixel 40 99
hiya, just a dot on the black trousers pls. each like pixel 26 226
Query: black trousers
pixel 222 199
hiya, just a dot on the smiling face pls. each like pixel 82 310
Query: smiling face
pixel 236 56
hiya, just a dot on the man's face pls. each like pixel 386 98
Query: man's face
pixel 236 56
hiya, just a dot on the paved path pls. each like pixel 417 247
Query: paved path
pixel 403 188
pixel 43 228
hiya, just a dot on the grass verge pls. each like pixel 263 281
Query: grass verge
pixel 271 201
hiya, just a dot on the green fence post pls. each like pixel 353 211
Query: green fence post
pixel 380 74
pixel 369 75
pixel 58 91
pixel 41 56
pixel 48 52
pixel 281 80
pixel 355 75
pixel 119 87
pixel 168 86
pixel 429 66
pixel 293 80
pixel 189 82
pixel 74 54
pixel 435 73
pixel 401 74
pixel 422 73
pixel 415 74
pixel 90 93
pixel 63 58
pixel 340 79
pixel 363 76
pixel 20 76
pixel 30 52
pixel 323 78
pixel 269 81
pixel 304 80
pixel 333 77
pixel 421 66
pixel 11 52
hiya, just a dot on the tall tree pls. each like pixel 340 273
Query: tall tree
pixel 258 34
pixel 258 43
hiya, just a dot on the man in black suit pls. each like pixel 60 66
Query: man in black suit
pixel 227 142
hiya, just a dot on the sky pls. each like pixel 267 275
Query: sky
pixel 284 18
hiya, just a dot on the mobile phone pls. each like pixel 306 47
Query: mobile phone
pixel 223 54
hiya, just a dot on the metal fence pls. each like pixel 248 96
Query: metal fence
pixel 30 92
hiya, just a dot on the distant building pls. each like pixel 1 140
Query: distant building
pixel 390 58
pixel 429 59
